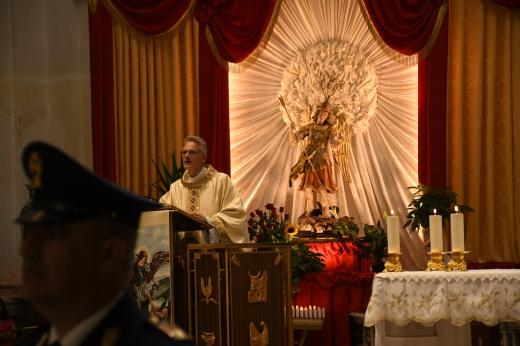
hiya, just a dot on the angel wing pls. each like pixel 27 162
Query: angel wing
pixel 159 259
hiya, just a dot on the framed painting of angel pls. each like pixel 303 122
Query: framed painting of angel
pixel 152 281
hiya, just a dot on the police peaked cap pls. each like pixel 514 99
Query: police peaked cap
pixel 64 191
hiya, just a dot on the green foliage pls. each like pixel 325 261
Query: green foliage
pixel 166 176
pixel 427 198
pixel 269 226
pixel 373 244
pixel 345 226
pixel 304 261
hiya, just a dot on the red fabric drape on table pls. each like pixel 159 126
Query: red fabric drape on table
pixel 343 287
pixel 214 107
pixel 237 27
pixel 102 93
pixel 433 71
pixel 152 17
pixel 404 25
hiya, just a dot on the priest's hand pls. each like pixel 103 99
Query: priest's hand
pixel 199 217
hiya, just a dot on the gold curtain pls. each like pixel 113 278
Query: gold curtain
pixel 155 99
pixel 483 125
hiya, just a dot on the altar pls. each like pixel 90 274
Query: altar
pixel 445 302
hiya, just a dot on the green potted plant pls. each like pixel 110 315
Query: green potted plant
pixel 345 227
pixel 373 245
pixel 166 176
pixel 427 198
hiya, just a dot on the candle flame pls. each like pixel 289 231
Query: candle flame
pixel 392 212
pixel 435 211
pixel 456 209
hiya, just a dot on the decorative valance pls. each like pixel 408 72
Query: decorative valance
pixel 149 17
pixel 236 30
pixel 405 29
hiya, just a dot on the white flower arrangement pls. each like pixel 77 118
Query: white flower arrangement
pixel 335 69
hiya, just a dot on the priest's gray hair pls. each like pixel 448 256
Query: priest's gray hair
pixel 200 141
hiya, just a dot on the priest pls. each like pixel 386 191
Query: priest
pixel 208 195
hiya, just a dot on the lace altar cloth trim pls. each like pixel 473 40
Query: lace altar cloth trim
pixel 488 296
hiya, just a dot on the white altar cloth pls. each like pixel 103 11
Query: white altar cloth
pixel 488 296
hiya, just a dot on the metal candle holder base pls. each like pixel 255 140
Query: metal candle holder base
pixel 457 262
pixel 393 263
pixel 436 262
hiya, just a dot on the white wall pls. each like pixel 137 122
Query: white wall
pixel 44 95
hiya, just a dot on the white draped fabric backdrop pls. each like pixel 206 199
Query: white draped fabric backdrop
pixel 383 154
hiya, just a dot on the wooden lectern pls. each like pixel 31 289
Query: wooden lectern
pixel 161 283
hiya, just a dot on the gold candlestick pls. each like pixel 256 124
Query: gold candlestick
pixel 436 262
pixel 457 261
pixel 393 263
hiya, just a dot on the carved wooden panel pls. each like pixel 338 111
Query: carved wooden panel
pixel 240 295
pixel 207 298
pixel 256 288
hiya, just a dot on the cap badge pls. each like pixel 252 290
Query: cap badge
pixel 35 169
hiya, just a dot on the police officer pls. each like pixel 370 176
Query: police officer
pixel 79 233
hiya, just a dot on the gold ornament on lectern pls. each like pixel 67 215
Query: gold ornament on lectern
pixel 457 262
pixel 207 290
pixel 208 338
pixel 257 338
pixel 393 263
pixel 436 262
pixel 258 287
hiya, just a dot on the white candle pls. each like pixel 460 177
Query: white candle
pixel 435 232
pixel 392 225
pixel 457 231
pixel 323 312
pixel 314 312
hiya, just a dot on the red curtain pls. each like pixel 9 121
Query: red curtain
pixel 433 71
pixel 237 27
pixel 405 25
pixel 152 17
pixel 343 287
pixel 102 93
pixel 214 107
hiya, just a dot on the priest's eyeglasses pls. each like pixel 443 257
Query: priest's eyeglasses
pixel 189 152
